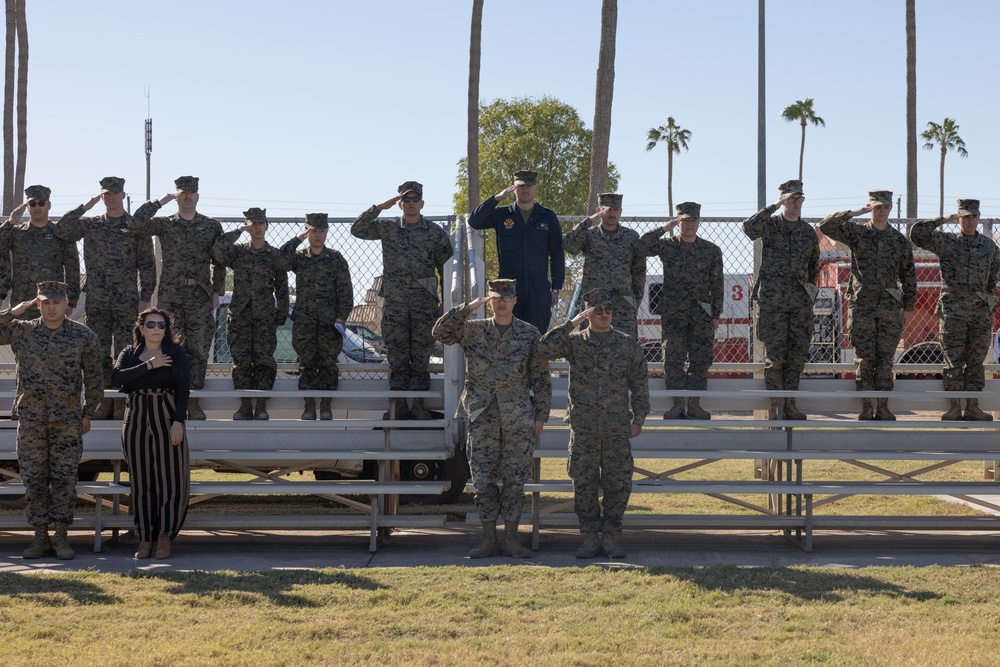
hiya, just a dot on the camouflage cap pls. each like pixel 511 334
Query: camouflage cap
pixel 525 177
pixel 880 198
pixel 411 186
pixel 52 289
pixel 968 207
pixel 186 184
pixel 37 192
pixel 317 221
pixel 112 184
pixel 689 209
pixel 502 287
pixel 792 187
pixel 609 199
pixel 255 214
pixel 597 297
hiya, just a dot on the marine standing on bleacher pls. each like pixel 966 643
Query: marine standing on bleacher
pixel 258 307
pixel 690 305
pixel 120 275
pixel 414 251
pixel 970 263
pixel 882 294
pixel 611 261
pixel 608 403
pixel 529 247
pixel 785 291
pixel 31 253
pixel 324 298
pixel 507 397
pixel 57 360
pixel 186 290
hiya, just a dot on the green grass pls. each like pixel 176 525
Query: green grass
pixel 504 616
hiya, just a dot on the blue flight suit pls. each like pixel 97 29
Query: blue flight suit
pixel 529 252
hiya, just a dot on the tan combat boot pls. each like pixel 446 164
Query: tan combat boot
pixel 954 413
pixel 245 412
pixel 792 412
pixel 610 546
pixel 591 546
pixel 974 414
pixel 194 410
pixel 695 411
pixel 260 411
pixel 106 409
pixel 60 542
pixel 162 546
pixel 310 409
pixel 488 546
pixel 867 411
pixel 676 411
pixel 511 547
pixel 772 412
pixel 119 412
pixel 325 413
pixel 144 551
pixel 418 411
pixel 882 411
pixel 40 546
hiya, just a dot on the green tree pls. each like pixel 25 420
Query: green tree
pixel 802 111
pixel 543 134
pixel 676 138
pixel 946 136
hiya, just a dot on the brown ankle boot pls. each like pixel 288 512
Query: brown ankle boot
pixel 676 411
pixel 163 546
pixel 882 411
pixel 310 409
pixel 867 413
pixel 974 414
pixel 41 545
pixel 695 411
pixel 260 411
pixel 194 409
pixel 60 543
pixel 511 546
pixel 954 413
pixel 488 545
pixel 245 411
pixel 144 550
pixel 325 413
pixel 792 412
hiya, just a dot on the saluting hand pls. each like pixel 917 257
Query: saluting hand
pixel 20 308
pixel 18 211
pixel 90 202
pixel 303 235
pixel 389 203
pixel 477 302
pixel 167 198
pixel 864 210
pixel 671 224
pixel 500 196
pixel 582 317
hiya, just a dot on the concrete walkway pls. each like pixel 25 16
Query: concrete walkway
pixel 448 547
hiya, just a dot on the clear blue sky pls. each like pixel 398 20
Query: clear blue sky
pixel 327 106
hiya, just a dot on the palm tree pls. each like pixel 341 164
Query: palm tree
pixel 602 104
pixel 8 108
pixel 22 102
pixel 911 109
pixel 472 141
pixel 802 111
pixel 675 138
pixel 946 136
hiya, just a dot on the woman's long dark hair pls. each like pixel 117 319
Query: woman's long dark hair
pixel 168 334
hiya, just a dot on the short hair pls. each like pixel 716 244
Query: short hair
pixel 168 334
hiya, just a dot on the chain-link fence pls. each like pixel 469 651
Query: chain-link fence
pixel 919 350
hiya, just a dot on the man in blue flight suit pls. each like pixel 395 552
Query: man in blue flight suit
pixel 529 247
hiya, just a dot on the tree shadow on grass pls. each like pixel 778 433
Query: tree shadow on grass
pixel 250 587
pixel 806 584
pixel 53 591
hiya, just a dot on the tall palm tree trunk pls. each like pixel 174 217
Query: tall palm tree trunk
pixel 802 147
pixel 944 151
pixel 472 142
pixel 8 108
pixel 911 109
pixel 670 180
pixel 22 102
pixel 602 103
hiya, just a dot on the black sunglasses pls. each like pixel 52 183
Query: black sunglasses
pixel 155 325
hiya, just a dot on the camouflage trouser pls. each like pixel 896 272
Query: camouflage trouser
pixel 964 342
pixel 252 341
pixel 600 462
pixel 318 346
pixel 406 327
pixel 48 455
pixel 786 337
pixel 623 318
pixel 500 461
pixel 687 337
pixel 194 326
pixel 874 335
pixel 112 321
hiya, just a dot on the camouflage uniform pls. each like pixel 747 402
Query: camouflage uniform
pixel 883 284
pixel 323 295
pixel 689 303
pixel 507 389
pixel 114 259
pixel 969 269
pixel 185 289
pixel 784 293
pixel 258 307
pixel 608 391
pixel 611 261
pixel 31 255
pixel 410 256
pixel 53 367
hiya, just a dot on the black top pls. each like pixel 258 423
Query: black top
pixel 132 374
